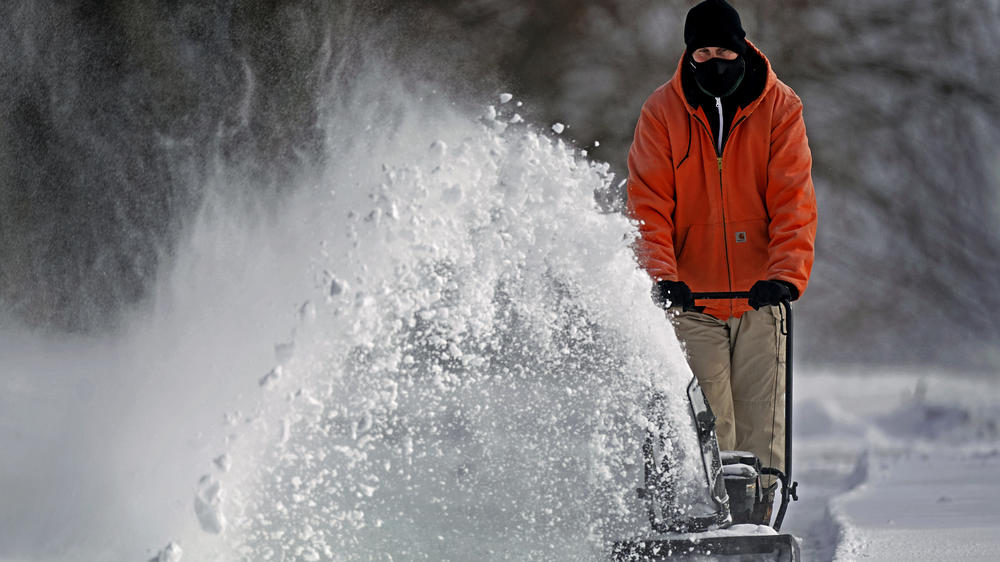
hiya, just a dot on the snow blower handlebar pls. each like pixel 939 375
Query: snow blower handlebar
pixel 721 295
pixel 789 489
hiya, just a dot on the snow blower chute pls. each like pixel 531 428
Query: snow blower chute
pixel 726 530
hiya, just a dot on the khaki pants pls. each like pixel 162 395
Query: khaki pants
pixel 740 365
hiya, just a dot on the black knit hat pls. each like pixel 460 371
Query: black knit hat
pixel 714 23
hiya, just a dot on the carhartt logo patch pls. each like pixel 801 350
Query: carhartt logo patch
pixel 741 236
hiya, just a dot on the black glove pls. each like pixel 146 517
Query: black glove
pixel 769 293
pixel 674 293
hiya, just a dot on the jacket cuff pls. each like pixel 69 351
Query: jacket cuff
pixel 791 288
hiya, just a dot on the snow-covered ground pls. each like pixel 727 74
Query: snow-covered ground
pixel 897 464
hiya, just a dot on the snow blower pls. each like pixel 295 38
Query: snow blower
pixel 730 526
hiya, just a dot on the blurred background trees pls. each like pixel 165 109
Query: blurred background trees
pixel 110 109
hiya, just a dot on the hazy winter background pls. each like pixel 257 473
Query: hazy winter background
pixel 107 104
pixel 119 118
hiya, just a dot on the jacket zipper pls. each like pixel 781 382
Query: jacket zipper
pixel 725 233
pixel 722 194
pixel 718 157
pixel 718 145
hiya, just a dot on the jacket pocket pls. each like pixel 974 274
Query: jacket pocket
pixel 748 242
pixel 701 260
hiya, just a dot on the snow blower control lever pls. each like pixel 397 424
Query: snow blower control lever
pixel 789 488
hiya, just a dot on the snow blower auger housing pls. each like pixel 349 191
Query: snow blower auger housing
pixel 736 529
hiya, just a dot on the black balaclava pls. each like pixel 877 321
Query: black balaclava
pixel 714 23
pixel 719 77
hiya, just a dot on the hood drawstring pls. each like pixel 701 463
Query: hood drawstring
pixel 688 151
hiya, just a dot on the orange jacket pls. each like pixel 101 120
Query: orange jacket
pixel 723 222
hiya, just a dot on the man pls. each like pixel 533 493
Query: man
pixel 719 180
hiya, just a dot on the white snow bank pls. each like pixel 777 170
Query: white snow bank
pixel 917 506
pixel 171 553
pixel 917 456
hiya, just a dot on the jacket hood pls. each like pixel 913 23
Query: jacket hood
pixel 759 80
